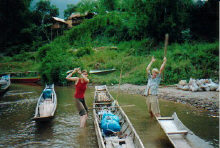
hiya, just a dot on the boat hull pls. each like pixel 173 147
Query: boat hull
pixel 25 80
pixel 179 135
pixel 4 88
pixel 127 137
pixel 49 109
pixel 43 119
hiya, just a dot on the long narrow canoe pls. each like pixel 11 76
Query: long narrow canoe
pixel 46 105
pixel 25 79
pixel 179 135
pixel 5 82
pixel 104 71
pixel 127 136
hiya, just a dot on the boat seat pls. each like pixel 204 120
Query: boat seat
pixel 117 140
pixel 48 99
pixel 178 132
pixel 165 118
pixel 125 143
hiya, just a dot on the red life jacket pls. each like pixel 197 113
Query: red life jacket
pixel 80 88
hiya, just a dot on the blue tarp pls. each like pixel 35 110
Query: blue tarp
pixel 110 123
pixel 47 93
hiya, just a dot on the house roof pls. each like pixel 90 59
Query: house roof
pixel 77 14
pixel 59 20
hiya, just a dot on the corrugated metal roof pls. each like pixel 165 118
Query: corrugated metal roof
pixel 59 19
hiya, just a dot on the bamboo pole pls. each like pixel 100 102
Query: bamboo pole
pixel 112 106
pixel 165 47
pixel 119 82
pixel 166 44
pixel 101 103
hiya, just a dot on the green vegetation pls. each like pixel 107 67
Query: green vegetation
pixel 184 61
pixel 25 61
pixel 196 60
pixel 124 35
pixel 24 29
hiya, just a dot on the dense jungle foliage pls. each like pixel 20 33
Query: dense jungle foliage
pixel 135 28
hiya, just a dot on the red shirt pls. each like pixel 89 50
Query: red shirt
pixel 80 88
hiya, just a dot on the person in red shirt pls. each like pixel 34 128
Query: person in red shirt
pixel 81 85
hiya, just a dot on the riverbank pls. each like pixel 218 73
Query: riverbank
pixel 202 100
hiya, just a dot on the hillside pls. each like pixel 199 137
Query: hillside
pixel 135 30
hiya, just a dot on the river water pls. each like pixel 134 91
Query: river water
pixel 17 129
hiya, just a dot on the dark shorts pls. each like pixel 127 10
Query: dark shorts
pixel 81 106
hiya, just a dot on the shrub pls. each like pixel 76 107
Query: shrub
pixel 83 51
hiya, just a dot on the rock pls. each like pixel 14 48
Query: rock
pixel 200 89
pixel 182 82
pixel 213 86
pixel 207 89
pixel 191 81
pixel 203 85
pixel 200 82
pixel 186 88
pixel 179 86
pixel 194 87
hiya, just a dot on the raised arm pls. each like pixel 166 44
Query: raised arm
pixel 69 76
pixel 163 65
pixel 148 67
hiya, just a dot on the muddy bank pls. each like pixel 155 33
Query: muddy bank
pixel 207 100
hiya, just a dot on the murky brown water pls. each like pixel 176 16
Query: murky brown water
pixel 17 129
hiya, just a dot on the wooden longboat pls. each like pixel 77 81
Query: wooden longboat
pixel 5 82
pixel 46 105
pixel 179 135
pixel 104 71
pixel 24 77
pixel 26 80
pixel 127 137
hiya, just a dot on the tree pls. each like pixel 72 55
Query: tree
pixel 42 16
pixel 46 11
pixel 88 6
pixel 110 5
pixel 71 8
pixel 204 20
pixel 14 16
pixel 168 16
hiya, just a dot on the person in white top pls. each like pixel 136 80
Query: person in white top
pixel 152 88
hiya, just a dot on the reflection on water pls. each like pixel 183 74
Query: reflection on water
pixel 17 129
pixel 44 130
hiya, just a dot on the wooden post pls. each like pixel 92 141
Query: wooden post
pixel 119 83
pixel 165 47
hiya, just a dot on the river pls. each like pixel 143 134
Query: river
pixel 17 129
